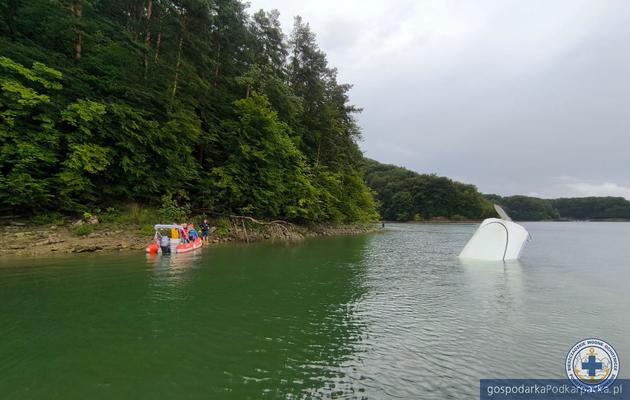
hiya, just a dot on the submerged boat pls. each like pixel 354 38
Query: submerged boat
pixel 177 245
pixel 496 239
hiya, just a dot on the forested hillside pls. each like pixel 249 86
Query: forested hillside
pixel 526 208
pixel 405 195
pixel 106 102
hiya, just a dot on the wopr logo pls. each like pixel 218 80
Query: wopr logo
pixel 592 364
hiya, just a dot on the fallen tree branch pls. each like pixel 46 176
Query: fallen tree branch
pixel 277 222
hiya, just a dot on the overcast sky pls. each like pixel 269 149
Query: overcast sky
pixel 517 97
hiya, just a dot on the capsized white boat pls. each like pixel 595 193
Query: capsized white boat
pixel 496 239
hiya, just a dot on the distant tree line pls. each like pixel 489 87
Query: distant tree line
pixel 104 102
pixel 406 195
pixel 526 208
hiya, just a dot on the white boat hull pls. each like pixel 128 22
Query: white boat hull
pixel 496 240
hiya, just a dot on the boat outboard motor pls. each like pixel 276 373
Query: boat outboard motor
pixel 496 239
pixel 165 244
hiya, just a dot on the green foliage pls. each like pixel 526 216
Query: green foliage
pixel 524 208
pixel 27 135
pixel 146 230
pixel 111 214
pixel 199 101
pixel 223 227
pixel 585 208
pixel 83 115
pixel 82 230
pixel 344 197
pixel 406 195
pixel 132 214
pixel 171 211
pixel 265 173
pixel 49 218
pixel 39 73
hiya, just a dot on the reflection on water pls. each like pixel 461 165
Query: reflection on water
pixel 175 262
pixel 391 315
pixel 497 284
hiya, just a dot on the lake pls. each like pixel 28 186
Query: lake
pixel 388 315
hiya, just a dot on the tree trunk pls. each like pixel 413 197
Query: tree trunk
pixel 138 13
pixel 218 61
pixel 147 40
pixel 158 42
pixel 216 67
pixel 78 45
pixel 77 12
pixel 178 64
pixel 319 148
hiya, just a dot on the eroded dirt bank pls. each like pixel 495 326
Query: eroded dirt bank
pixel 25 240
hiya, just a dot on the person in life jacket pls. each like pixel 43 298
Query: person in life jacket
pixel 183 233
pixel 192 233
pixel 205 229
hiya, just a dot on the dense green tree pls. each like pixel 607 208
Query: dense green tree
pixel 328 128
pixel 264 173
pixel 579 208
pixel 193 99
pixel 28 138
pixel 585 208
pixel 523 208
pixel 405 195
pixel 268 45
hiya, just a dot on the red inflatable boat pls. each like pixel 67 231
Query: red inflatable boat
pixel 176 245
pixel 190 246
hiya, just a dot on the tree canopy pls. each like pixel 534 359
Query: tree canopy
pixel 526 208
pixel 405 195
pixel 111 101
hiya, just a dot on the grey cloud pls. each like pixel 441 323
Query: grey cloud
pixel 506 95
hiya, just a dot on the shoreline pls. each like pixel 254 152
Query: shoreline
pixel 43 240
pixel 27 240
pixel 447 222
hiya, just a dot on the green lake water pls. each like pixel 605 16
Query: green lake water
pixel 387 315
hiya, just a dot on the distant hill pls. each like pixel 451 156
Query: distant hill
pixel 406 195
pixel 525 208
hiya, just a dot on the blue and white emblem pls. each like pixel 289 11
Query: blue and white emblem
pixel 592 364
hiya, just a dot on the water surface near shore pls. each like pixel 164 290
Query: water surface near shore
pixel 387 315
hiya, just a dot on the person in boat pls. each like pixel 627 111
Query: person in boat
pixel 165 244
pixel 183 233
pixel 192 233
pixel 205 229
